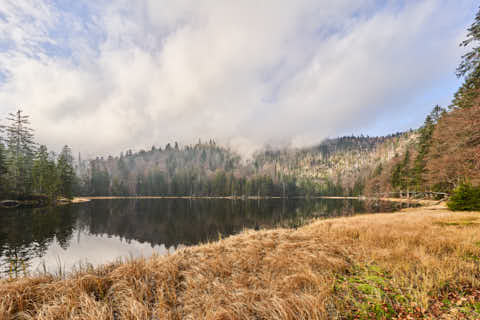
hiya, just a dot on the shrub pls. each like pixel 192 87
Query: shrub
pixel 465 198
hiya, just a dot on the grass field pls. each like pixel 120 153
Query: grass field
pixel 419 263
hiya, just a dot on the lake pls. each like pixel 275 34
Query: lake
pixel 103 231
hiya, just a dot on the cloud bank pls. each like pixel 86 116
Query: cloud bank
pixel 105 76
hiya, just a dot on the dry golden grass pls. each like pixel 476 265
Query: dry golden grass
pixel 419 262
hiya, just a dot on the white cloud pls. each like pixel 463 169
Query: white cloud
pixel 121 74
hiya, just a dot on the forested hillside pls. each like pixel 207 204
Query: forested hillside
pixel 334 167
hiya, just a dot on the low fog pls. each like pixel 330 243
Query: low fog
pixel 106 76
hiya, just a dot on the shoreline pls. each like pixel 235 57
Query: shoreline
pixel 406 200
pixel 407 263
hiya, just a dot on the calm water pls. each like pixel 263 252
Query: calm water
pixel 102 231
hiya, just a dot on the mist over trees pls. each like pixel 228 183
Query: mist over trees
pixel 439 156
pixel 203 169
pixel 334 167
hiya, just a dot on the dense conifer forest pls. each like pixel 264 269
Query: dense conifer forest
pixel 335 167
pixel 29 171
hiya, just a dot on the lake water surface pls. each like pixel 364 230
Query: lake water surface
pixel 102 231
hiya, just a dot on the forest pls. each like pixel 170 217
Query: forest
pixel 28 171
pixel 446 154
pixel 203 169
pixel 441 155
pixel 334 167
pixel 344 166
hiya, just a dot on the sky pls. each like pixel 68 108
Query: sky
pixel 107 76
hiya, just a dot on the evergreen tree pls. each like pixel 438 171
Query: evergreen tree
pixel 20 153
pixel 423 146
pixel 51 177
pixel 471 60
pixel 469 68
pixel 465 198
pixel 41 170
pixel 65 172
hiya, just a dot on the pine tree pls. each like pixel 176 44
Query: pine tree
pixel 42 174
pixel 471 60
pixel 465 198
pixel 21 148
pixel 469 68
pixel 65 172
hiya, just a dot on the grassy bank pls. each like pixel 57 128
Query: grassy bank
pixel 422 262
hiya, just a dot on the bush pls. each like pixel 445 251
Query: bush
pixel 465 198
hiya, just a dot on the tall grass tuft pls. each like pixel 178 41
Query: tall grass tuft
pixel 417 263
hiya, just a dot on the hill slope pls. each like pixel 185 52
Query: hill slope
pixel 335 166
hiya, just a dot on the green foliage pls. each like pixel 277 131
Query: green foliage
pixel 66 173
pixel 465 198
pixel 3 157
pixel 401 174
pixel 468 93
pixel 423 146
pixel 370 293
pixel 26 172
pixel 434 166
pixel 204 169
pixel 471 60
pixel 358 187
pixel 45 175
pixel 3 166
pixel 20 152
pixel 99 181
pixel 469 68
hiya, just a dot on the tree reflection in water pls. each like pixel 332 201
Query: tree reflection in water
pixel 27 234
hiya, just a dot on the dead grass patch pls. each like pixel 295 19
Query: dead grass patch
pixel 380 266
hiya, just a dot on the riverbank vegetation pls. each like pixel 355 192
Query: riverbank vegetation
pixel 28 172
pixel 422 262
pixel 465 198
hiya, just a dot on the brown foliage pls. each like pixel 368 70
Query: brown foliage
pixel 455 152
pixel 380 182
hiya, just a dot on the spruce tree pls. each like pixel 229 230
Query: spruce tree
pixel 21 148
pixel 65 172
pixel 469 68
pixel 41 172
pixel 471 60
